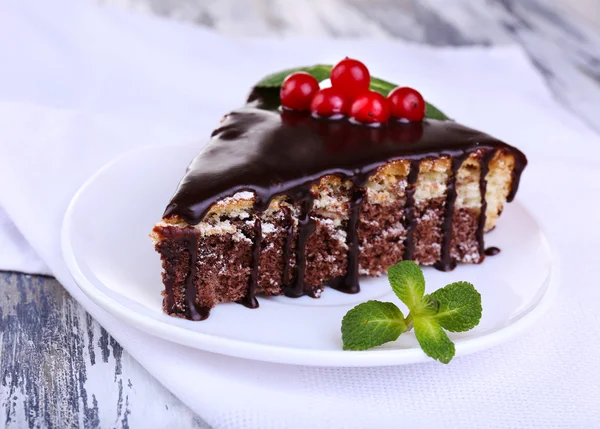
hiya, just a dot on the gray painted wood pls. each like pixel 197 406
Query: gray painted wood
pixel 60 369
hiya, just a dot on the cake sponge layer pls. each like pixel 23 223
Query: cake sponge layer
pixel 223 242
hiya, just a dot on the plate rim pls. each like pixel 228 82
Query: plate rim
pixel 284 354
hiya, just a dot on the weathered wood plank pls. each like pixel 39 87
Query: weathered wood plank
pixel 60 369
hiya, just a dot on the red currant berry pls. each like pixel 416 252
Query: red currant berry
pixel 328 102
pixel 407 103
pixel 351 77
pixel 370 107
pixel 298 90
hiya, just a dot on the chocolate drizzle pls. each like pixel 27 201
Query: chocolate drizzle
pixel 194 312
pixel 413 175
pixel 484 168
pixel 446 262
pixel 492 251
pixel 273 153
pixel 349 282
pixel 306 226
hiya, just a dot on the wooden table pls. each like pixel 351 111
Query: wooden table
pixel 60 369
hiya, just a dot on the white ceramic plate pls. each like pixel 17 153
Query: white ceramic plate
pixel 108 251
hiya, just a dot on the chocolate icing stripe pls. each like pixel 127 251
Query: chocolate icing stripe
pixel 306 226
pixel 446 262
pixel 194 312
pixel 349 282
pixel 484 168
pixel 413 175
pixel 249 300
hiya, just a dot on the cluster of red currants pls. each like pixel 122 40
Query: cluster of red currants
pixel 349 95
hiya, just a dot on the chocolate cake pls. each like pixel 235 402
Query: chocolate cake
pixel 281 202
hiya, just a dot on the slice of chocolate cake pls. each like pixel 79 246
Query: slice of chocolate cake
pixel 281 202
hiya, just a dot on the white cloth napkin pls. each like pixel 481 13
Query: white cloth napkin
pixel 81 84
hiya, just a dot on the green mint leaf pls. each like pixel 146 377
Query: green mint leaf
pixel 433 339
pixel 459 306
pixel 322 72
pixel 319 71
pixel 408 283
pixel 371 324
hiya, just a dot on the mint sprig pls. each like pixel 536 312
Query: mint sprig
pixel 322 72
pixel 455 307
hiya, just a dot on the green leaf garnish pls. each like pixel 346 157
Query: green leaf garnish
pixel 381 86
pixel 459 306
pixel 433 112
pixel 433 339
pixel 319 71
pixel 455 307
pixel 408 283
pixel 372 324
pixel 322 72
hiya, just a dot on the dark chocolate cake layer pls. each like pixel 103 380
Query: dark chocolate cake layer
pixel 284 159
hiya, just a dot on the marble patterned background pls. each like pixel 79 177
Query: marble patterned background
pixel 60 369
pixel 562 37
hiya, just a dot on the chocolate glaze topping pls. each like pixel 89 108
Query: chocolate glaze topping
pixel 270 152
